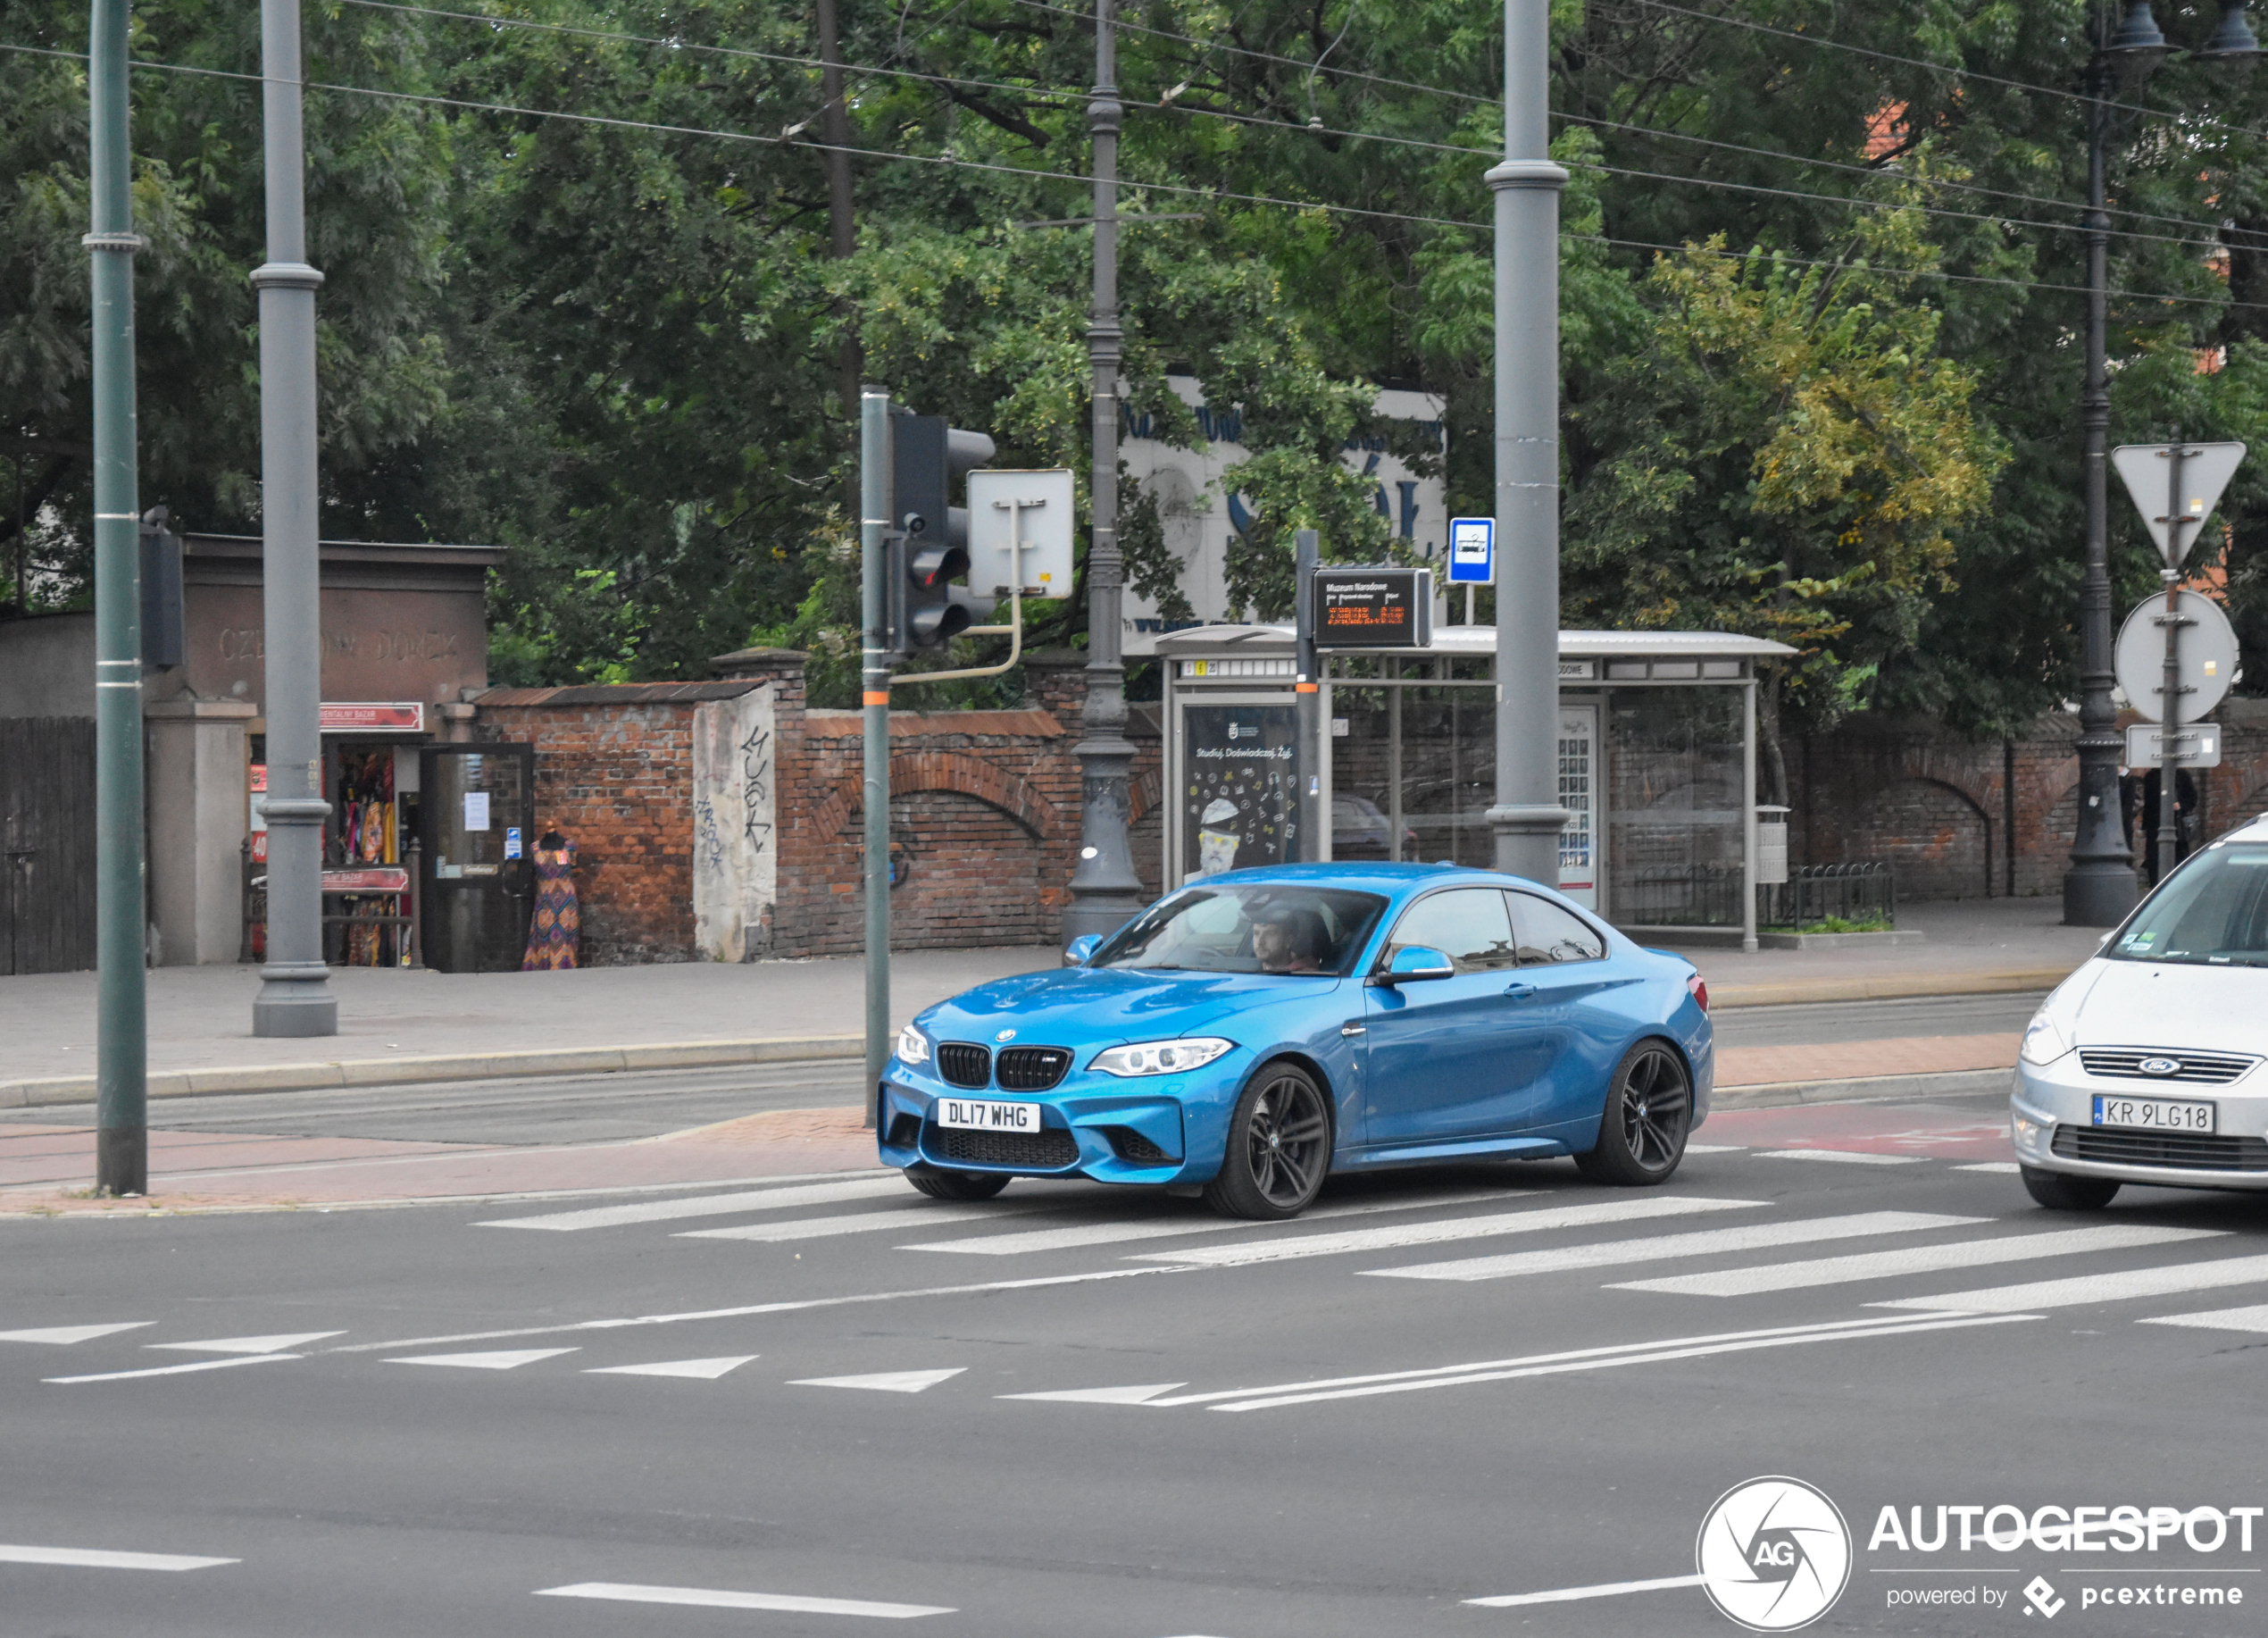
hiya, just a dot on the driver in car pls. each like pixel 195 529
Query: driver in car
pixel 1286 940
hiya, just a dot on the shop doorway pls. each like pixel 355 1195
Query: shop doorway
pixel 475 814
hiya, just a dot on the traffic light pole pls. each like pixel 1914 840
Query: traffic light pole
pixel 2170 709
pixel 874 684
pixel 1306 765
pixel 121 1039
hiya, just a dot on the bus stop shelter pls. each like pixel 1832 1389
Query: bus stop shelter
pixel 1657 764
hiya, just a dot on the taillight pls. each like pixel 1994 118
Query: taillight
pixel 1696 987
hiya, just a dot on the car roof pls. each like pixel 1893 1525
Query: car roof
pixel 1393 880
pixel 2255 829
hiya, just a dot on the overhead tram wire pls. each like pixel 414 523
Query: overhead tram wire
pixel 1185 189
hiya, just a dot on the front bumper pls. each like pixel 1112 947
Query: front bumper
pixel 2051 1110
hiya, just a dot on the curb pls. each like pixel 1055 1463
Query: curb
pixel 1888 987
pixel 1783 1094
pixel 344 1073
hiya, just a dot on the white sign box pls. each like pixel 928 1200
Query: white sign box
pixel 2195 746
pixel 1034 508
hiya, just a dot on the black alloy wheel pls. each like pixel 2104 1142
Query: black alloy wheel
pixel 1279 1148
pixel 1649 1110
pixel 941 1184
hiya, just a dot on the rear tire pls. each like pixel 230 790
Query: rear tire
pixel 2061 1191
pixel 1279 1148
pixel 1642 1131
pixel 943 1185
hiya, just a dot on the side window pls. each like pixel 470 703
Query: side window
pixel 1548 933
pixel 1468 924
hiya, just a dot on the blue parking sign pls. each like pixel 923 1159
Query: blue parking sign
pixel 1473 551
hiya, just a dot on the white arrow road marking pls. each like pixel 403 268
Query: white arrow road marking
pixel 1534 1220
pixel 2216 1319
pixel 699 1370
pixel 179 1370
pixel 61 1335
pixel 2085 1290
pixel 883 1381
pixel 1706 1242
pixel 282 1342
pixel 98 1558
pixel 717 1598
pixel 1854 1157
pixel 1103 1396
pixel 1568 1595
pixel 707 1205
pixel 503 1359
pixel 1914 1259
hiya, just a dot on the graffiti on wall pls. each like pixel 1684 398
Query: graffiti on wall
pixel 735 865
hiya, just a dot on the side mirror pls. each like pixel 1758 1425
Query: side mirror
pixel 1415 962
pixel 1079 949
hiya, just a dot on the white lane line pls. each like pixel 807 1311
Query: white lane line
pixel 2083 1290
pixel 1568 1595
pixel 282 1342
pixel 706 1205
pixel 1950 1322
pixel 63 1336
pixel 510 1359
pixel 179 1370
pixel 749 1311
pixel 1113 1233
pixel 2253 1318
pixel 1914 1259
pixel 1534 1220
pixel 1703 1242
pixel 1852 1156
pixel 1608 1351
pixel 884 1382
pixel 2004 1168
pixel 1139 1394
pixel 715 1598
pixel 99 1559
pixel 1716 1149
pixel 864 1222
pixel 697 1370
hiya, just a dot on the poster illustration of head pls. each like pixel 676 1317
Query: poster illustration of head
pixel 1237 807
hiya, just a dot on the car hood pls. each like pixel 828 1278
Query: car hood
pixel 2172 1004
pixel 1097 1006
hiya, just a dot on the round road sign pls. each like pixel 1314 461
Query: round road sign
pixel 2207 657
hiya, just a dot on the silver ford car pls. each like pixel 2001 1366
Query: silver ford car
pixel 2144 1067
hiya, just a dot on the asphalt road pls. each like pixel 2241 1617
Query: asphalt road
pixel 806 1409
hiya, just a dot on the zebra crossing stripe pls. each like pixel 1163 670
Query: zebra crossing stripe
pixel 2082 1291
pixel 1704 1242
pixel 1914 1259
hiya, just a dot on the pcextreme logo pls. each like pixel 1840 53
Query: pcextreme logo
pixel 1773 1554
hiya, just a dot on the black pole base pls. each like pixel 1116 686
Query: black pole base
pixel 122 1160
pixel 2098 895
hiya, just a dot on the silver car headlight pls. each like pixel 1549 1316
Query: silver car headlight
pixel 2044 1040
pixel 913 1046
pixel 1161 1058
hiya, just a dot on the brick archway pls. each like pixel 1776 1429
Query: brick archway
pixel 950 771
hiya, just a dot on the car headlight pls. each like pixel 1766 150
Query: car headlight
pixel 2044 1040
pixel 1161 1058
pixel 913 1046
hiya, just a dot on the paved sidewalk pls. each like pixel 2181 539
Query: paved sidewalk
pixel 1970 947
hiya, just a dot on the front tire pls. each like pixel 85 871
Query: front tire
pixel 2060 1192
pixel 1642 1131
pixel 1279 1148
pixel 942 1185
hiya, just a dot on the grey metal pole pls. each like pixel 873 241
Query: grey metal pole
pixel 874 680
pixel 1527 817
pixel 2098 889
pixel 1106 888
pixel 1306 766
pixel 2170 706
pixel 121 1040
pixel 294 997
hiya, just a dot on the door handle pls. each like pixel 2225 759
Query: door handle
pixel 1519 992
pixel 1350 1028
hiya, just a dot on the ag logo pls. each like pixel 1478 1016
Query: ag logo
pixel 1774 1554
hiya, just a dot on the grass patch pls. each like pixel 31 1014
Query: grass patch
pixel 1836 923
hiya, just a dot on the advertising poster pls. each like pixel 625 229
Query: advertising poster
pixel 1237 808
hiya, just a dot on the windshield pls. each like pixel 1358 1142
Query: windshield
pixel 2212 912
pixel 1261 927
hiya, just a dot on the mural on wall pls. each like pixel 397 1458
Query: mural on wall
pixel 1204 516
pixel 735 854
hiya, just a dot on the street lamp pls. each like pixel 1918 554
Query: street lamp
pixel 2098 889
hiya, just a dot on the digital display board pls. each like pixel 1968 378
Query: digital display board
pixel 1373 608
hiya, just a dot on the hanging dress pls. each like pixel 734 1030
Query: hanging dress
pixel 557 926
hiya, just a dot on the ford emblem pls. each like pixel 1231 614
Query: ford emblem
pixel 2159 1066
pixel 1010 1035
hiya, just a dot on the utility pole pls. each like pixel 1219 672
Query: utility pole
pixel 1307 703
pixel 294 997
pixel 874 525
pixel 1527 817
pixel 1105 890
pixel 121 1024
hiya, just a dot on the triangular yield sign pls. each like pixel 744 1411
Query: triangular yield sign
pixel 883 1381
pixel 2145 470
pixel 276 1344
pixel 71 1334
pixel 503 1361
pixel 1105 1396
pixel 699 1370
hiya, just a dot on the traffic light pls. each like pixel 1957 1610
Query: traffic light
pixel 930 542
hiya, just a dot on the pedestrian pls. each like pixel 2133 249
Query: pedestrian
pixel 555 929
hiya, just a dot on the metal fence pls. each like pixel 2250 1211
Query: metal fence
pixel 1678 895
pixel 1864 890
